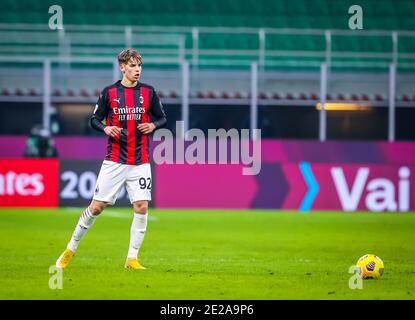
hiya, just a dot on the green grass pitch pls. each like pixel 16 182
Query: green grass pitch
pixel 208 254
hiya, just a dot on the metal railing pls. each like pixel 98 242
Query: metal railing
pixel 187 43
pixel 62 49
pixel 183 67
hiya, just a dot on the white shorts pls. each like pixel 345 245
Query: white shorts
pixel 112 177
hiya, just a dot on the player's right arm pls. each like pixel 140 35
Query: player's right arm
pixel 100 113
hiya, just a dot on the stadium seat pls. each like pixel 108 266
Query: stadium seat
pixel 298 22
pixel 296 8
pixel 317 8
pixel 405 24
pixel 384 9
pixel 279 13
pixel 384 23
pixel 338 8
pixel 254 7
pixel 279 21
pixel 302 14
pixel 372 44
pixel 277 8
pixel 11 5
pixel 211 41
pixel 406 44
pixel 344 43
pixel 405 8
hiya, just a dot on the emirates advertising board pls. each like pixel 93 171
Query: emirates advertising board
pixel 29 183
pixel 375 177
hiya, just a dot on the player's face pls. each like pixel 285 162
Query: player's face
pixel 132 70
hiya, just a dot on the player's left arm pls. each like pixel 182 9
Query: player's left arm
pixel 157 111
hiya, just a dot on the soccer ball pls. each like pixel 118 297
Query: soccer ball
pixel 370 266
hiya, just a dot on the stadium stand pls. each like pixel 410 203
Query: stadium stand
pixel 214 34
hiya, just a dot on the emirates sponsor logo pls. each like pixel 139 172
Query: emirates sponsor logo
pixel 23 184
pixel 129 113
pixel 129 110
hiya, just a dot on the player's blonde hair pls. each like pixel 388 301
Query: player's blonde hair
pixel 125 56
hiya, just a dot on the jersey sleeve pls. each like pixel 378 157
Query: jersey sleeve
pixel 157 111
pixel 100 112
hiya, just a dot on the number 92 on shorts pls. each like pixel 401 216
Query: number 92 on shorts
pixel 113 175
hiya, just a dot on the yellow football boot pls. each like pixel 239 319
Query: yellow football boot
pixel 64 259
pixel 133 264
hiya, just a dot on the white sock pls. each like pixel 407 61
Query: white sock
pixel 85 222
pixel 138 230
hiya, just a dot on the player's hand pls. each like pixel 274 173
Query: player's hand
pixel 146 128
pixel 112 131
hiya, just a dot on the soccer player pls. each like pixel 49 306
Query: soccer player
pixel 126 107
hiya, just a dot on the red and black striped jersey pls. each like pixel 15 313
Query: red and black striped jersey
pixel 127 107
